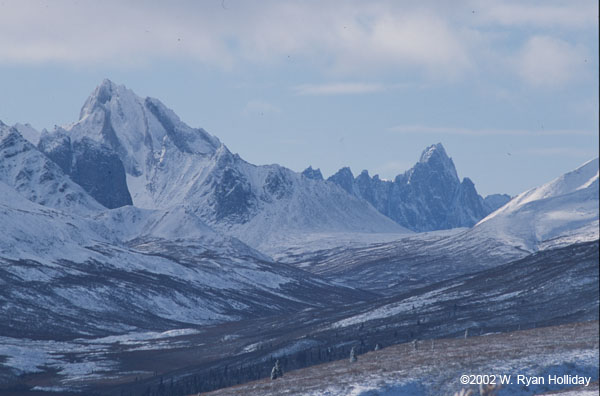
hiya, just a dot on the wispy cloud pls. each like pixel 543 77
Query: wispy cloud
pixel 345 39
pixel 547 61
pixel 338 88
pixel 348 36
pixel 423 129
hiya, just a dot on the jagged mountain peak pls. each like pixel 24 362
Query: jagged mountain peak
pixel 344 178
pixel 346 171
pixel 311 173
pixel 432 151
pixel 101 95
pixel 435 157
pixel 427 197
pixel 136 121
pixel 142 131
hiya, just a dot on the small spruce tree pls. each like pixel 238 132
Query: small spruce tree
pixel 277 371
pixel 353 355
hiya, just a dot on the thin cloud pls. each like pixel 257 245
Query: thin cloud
pixel 547 61
pixel 345 37
pixel 423 129
pixel 349 39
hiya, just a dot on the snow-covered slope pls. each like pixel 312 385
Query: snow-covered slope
pixel 36 177
pixel 168 163
pixel 560 212
pixel 64 275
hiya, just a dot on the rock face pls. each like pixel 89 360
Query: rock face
pixel 428 197
pixel 93 166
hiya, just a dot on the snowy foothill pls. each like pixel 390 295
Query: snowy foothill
pixel 566 207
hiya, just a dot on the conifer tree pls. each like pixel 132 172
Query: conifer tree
pixel 353 355
pixel 276 372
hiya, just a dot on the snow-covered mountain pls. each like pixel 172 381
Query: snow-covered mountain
pixel 560 212
pixel 428 197
pixel 168 163
pixel 36 177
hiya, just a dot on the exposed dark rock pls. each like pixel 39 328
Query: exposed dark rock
pixel 90 164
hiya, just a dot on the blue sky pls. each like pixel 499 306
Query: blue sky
pixel 509 87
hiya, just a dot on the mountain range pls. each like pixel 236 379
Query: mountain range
pixel 130 173
pixel 121 148
pixel 137 142
pixel 129 221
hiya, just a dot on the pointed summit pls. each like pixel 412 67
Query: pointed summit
pixel 435 150
pixel 311 173
pixel 137 129
pixel 427 197
pixel 105 88
pixel 100 96
pixel 343 178
pixel 435 158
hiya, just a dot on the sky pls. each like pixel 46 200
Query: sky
pixel 510 88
